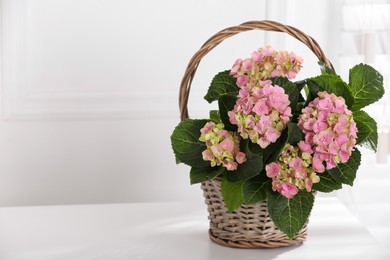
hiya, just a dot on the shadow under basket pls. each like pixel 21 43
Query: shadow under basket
pixel 250 226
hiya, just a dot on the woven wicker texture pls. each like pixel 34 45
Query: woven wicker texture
pixel 250 226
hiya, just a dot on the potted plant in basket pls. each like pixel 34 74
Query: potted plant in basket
pixel 275 141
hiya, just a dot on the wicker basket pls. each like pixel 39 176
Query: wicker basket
pixel 250 226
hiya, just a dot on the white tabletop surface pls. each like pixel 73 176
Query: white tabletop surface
pixel 166 231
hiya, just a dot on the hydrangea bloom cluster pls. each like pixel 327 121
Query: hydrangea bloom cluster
pixel 222 146
pixel 266 63
pixel 261 113
pixel 329 128
pixel 293 170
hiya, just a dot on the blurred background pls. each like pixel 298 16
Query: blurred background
pixel 89 92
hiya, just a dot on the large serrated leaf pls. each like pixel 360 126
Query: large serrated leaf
pixel 215 117
pixel 250 168
pixel 290 215
pixel 367 129
pixel 232 194
pixel 255 189
pixel 332 84
pixel 222 83
pixel 327 183
pixel 366 85
pixel 294 134
pixel 186 145
pixel 346 172
pixel 198 175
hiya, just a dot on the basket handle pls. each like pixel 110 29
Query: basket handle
pixel 211 43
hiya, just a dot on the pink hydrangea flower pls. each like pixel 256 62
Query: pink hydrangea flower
pixel 329 128
pixel 240 157
pixel 247 65
pixel 230 165
pixel 222 146
pixel 296 163
pixel 308 184
pixel 207 128
pixel 289 190
pixel 305 147
pixel 207 155
pixel 318 166
pixel 293 170
pixel 266 63
pixel 262 109
pixel 272 169
pixel 261 115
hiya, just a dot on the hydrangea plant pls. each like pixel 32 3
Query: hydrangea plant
pixel 279 141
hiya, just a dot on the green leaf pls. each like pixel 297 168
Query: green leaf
pixel 294 134
pixel 327 183
pixel 232 194
pixel 222 83
pixel 366 85
pixel 346 172
pixel 291 89
pixel 177 160
pixel 186 145
pixel 301 99
pixel 325 69
pixel 255 189
pixel 368 132
pixel 332 84
pixel 215 117
pixel 250 168
pixel 290 215
pixel 198 175
pixel 226 103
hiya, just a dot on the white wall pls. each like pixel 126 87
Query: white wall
pixel 89 90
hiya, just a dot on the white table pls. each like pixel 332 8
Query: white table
pixel 166 231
